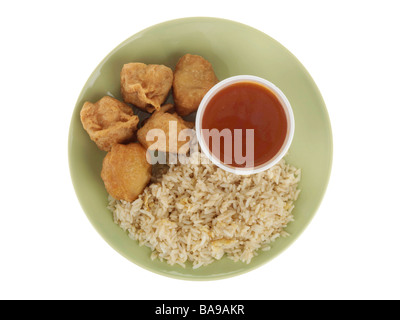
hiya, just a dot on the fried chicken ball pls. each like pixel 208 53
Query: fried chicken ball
pixel 162 120
pixel 145 86
pixel 126 171
pixel 108 122
pixel 193 77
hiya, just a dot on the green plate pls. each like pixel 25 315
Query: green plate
pixel 233 49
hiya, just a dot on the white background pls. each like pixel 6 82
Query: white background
pixel 48 248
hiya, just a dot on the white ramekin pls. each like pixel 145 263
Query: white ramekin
pixel 282 99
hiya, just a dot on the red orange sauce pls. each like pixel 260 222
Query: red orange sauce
pixel 248 105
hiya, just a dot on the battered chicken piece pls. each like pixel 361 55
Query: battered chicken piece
pixel 126 171
pixel 193 77
pixel 188 124
pixel 145 86
pixel 161 120
pixel 108 122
